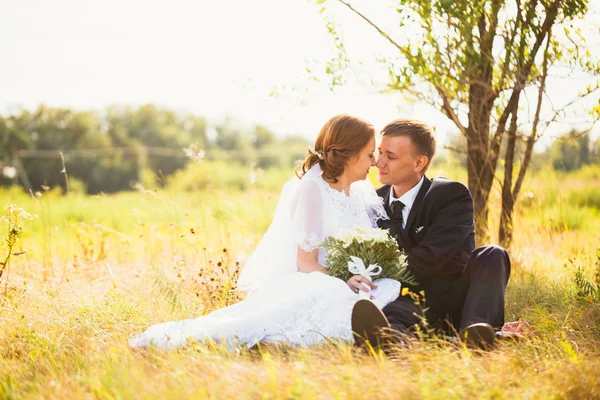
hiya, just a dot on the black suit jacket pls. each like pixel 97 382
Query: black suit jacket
pixel 439 235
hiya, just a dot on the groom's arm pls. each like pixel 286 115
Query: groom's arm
pixel 447 241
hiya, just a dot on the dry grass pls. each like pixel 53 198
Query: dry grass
pixel 98 270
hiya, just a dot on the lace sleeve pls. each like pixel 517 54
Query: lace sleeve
pixel 296 222
pixel 307 216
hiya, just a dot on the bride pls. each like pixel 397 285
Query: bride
pixel 291 297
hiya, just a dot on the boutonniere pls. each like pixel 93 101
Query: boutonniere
pixel 419 229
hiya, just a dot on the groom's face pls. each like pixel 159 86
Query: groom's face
pixel 398 161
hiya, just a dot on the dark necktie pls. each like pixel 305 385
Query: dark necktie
pixel 397 207
pixel 397 230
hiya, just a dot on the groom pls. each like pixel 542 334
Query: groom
pixel 432 220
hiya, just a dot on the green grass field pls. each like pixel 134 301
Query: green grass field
pixel 96 270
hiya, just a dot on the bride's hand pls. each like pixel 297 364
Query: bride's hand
pixel 359 282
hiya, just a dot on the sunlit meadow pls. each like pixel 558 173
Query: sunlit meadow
pixel 92 271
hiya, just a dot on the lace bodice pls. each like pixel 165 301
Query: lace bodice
pixel 333 211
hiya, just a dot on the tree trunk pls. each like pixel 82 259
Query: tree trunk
pixel 480 207
pixel 479 168
pixel 481 101
pixel 481 212
pixel 505 231
pixel 508 200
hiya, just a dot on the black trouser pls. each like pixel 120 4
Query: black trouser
pixel 455 302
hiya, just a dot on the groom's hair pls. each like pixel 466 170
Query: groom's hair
pixel 341 139
pixel 420 134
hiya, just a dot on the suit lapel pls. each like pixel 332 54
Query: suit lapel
pixel 418 203
pixel 386 201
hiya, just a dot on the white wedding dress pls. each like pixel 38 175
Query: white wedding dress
pixel 283 304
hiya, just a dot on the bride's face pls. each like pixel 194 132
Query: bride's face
pixel 358 168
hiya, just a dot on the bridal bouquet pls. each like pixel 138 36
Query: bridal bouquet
pixel 350 252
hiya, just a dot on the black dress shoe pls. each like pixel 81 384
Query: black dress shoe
pixel 479 335
pixel 368 323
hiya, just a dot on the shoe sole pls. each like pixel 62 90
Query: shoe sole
pixel 367 323
pixel 479 335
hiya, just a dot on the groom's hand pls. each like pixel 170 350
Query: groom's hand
pixel 359 282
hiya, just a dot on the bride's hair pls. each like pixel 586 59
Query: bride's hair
pixel 340 140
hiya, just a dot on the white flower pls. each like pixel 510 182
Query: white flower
pixel 362 235
pixel 18 213
pixel 194 153
pixel 9 172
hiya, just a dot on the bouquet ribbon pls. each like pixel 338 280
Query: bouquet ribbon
pixel 357 266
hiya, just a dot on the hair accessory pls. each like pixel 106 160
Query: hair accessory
pixel 316 153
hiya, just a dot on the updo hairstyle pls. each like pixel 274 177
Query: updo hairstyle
pixel 340 140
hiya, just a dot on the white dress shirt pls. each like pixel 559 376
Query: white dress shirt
pixel 408 199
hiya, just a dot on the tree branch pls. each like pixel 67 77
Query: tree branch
pixel 449 111
pixel 569 104
pixel 522 74
pixel 447 107
pixel 509 157
pixel 487 40
pixel 454 149
pixel 509 47
pixel 379 30
pixel 532 138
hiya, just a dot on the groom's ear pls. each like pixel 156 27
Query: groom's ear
pixel 421 162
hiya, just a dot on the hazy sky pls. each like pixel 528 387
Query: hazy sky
pixel 212 58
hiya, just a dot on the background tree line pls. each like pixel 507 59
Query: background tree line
pixel 567 152
pixel 109 150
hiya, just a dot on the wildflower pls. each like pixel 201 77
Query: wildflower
pixel 15 217
pixel 194 153
pixel 9 172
